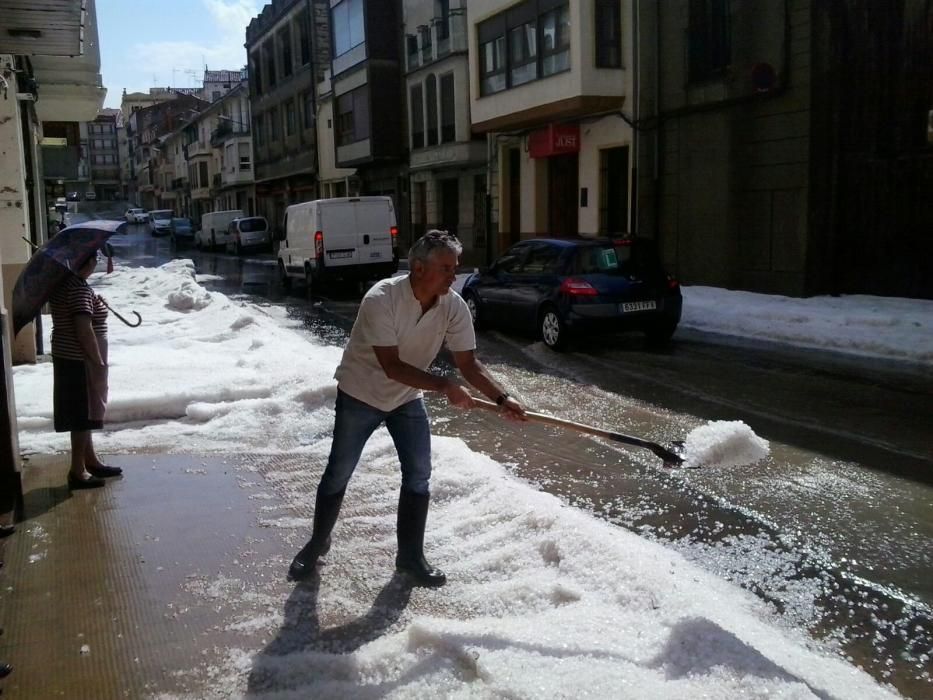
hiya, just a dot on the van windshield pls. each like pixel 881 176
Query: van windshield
pixel 256 223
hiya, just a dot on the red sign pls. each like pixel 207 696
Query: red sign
pixel 555 140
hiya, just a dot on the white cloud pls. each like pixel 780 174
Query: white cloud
pixel 220 49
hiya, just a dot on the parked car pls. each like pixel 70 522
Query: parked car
pixel 73 196
pixel 90 196
pixel 160 221
pixel 214 225
pixel 248 232
pixel 136 216
pixel 346 238
pixel 61 204
pixel 563 288
pixel 181 231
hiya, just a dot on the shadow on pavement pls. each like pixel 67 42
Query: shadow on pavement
pixel 301 633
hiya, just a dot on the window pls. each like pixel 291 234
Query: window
pixel 417 117
pixel 347 26
pixel 202 172
pixel 304 38
pixel 273 121
pixel 285 41
pixel 492 68
pixel 411 45
pixel 244 156
pixel 268 58
pixel 430 99
pixel 307 107
pixel 528 41
pixel 608 34
pixel 427 48
pixel 290 126
pixel 709 38
pixel 442 19
pixel 448 109
pixel 543 259
pixel 353 116
pixel 255 73
pixel 258 129
pixel 555 41
pixel 523 60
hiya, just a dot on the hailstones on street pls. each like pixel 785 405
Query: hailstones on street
pixel 724 443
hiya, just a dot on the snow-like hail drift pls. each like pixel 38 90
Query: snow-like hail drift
pixel 724 443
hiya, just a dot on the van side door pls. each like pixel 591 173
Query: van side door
pixel 338 224
pixel 374 223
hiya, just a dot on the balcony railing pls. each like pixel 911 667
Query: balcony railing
pixel 438 40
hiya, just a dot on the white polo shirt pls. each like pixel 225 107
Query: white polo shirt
pixel 391 315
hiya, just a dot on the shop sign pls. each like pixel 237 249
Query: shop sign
pixel 554 140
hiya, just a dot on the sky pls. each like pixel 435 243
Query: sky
pixel 147 43
pixel 543 598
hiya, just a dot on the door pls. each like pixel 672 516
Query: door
pixel 562 195
pixel 532 284
pixel 495 286
pixel 450 206
pixel 374 222
pixel 613 191
pixel 338 224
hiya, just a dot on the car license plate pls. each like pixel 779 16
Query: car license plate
pixel 375 255
pixel 638 306
pixel 341 254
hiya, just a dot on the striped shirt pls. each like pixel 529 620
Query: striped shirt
pixel 75 298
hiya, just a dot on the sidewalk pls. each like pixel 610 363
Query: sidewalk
pixel 107 587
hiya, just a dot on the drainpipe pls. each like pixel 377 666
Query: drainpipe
pixel 633 224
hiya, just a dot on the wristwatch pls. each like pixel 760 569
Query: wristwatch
pixel 500 399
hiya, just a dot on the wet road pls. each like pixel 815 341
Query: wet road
pixel 835 530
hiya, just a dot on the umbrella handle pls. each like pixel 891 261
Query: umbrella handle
pixel 139 319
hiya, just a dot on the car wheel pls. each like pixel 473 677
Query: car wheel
pixel 284 279
pixel 237 249
pixel 213 242
pixel 553 331
pixel 660 332
pixel 309 280
pixel 472 303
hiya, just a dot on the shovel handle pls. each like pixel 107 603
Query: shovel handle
pixel 665 454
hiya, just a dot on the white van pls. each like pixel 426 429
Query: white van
pixel 214 226
pixel 348 238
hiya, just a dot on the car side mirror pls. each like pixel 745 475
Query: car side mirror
pixel 108 250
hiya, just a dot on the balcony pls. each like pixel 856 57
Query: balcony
pixel 233 176
pixel 440 39
pixel 60 162
pixel 197 149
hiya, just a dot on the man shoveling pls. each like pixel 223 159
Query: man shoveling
pixel 400 327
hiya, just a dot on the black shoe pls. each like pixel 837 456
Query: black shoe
pixel 92 482
pixel 7 530
pixel 326 510
pixel 5 670
pixel 412 518
pixel 103 471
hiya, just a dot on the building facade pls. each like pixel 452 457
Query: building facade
pixel 447 164
pixel 788 153
pixel 53 49
pixel 368 98
pixel 104 155
pixel 550 81
pixel 284 57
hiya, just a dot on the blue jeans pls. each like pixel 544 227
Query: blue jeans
pixel 356 421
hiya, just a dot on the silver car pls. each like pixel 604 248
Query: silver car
pixel 248 232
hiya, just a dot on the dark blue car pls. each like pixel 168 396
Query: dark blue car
pixel 558 288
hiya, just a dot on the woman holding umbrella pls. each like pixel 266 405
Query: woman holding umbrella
pixel 79 358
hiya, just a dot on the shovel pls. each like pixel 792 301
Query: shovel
pixel 670 458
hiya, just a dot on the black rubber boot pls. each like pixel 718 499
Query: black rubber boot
pixel 412 517
pixel 326 510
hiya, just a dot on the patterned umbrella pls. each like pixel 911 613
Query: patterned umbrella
pixel 54 263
